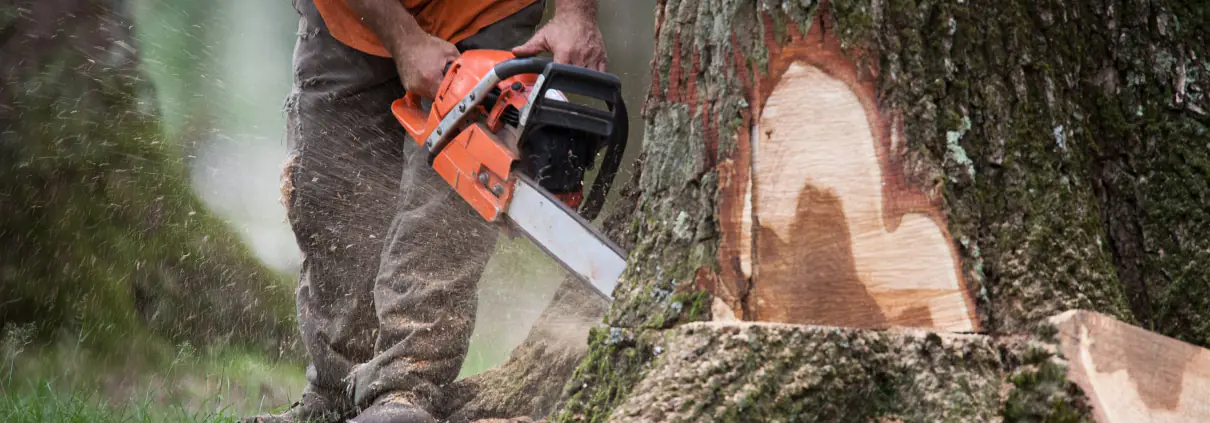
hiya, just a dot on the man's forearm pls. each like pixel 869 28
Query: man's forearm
pixel 393 24
pixel 582 9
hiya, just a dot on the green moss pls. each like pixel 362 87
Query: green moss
pixel 1039 389
pixel 676 234
pixel 617 359
pixel 696 306
pixel 853 21
pixel 1038 396
pixel 754 372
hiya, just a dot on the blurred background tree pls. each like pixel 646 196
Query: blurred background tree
pixel 101 227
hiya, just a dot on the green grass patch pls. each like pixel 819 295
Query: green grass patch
pixel 151 380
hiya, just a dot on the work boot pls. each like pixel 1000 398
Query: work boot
pixel 314 407
pixel 393 408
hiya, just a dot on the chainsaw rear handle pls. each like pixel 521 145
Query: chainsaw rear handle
pixel 415 115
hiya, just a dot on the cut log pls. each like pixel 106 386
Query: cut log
pixel 1134 375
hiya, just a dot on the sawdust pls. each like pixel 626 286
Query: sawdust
pixel 531 381
pixel 286 185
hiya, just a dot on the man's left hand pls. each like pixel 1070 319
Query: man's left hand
pixel 573 40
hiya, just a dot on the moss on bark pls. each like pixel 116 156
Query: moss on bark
pixel 675 230
pixel 766 372
pixel 1034 371
pixel 1083 171
pixel 715 371
pixel 617 360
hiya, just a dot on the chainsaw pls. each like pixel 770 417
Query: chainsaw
pixel 504 135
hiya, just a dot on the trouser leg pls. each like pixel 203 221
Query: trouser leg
pixel 340 186
pixel 425 292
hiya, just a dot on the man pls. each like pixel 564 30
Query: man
pixel 387 293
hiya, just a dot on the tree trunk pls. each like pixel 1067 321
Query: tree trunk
pixel 971 169
pixel 100 229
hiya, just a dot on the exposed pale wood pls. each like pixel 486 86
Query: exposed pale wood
pixel 1134 375
pixel 819 223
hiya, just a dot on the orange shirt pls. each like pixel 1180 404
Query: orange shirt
pixel 451 20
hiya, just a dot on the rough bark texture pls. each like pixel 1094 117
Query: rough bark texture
pixel 1064 145
pixel 739 371
pixel 763 372
pixel 1023 118
pixel 100 228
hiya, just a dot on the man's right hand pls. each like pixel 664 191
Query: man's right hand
pixel 421 64
pixel 419 57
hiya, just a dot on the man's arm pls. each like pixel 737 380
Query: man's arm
pixel 571 35
pixel 419 57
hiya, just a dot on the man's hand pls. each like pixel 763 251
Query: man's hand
pixel 419 57
pixel 421 64
pixel 571 35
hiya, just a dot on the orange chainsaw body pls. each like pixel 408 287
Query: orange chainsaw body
pixel 503 134
pixel 476 163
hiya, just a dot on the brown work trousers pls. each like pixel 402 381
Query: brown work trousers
pixel 392 257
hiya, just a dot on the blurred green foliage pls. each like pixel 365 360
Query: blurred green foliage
pixel 100 226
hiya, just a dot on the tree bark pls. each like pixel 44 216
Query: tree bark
pixel 101 230
pixel 953 166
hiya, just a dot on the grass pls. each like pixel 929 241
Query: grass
pixel 150 380
pixel 47 405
